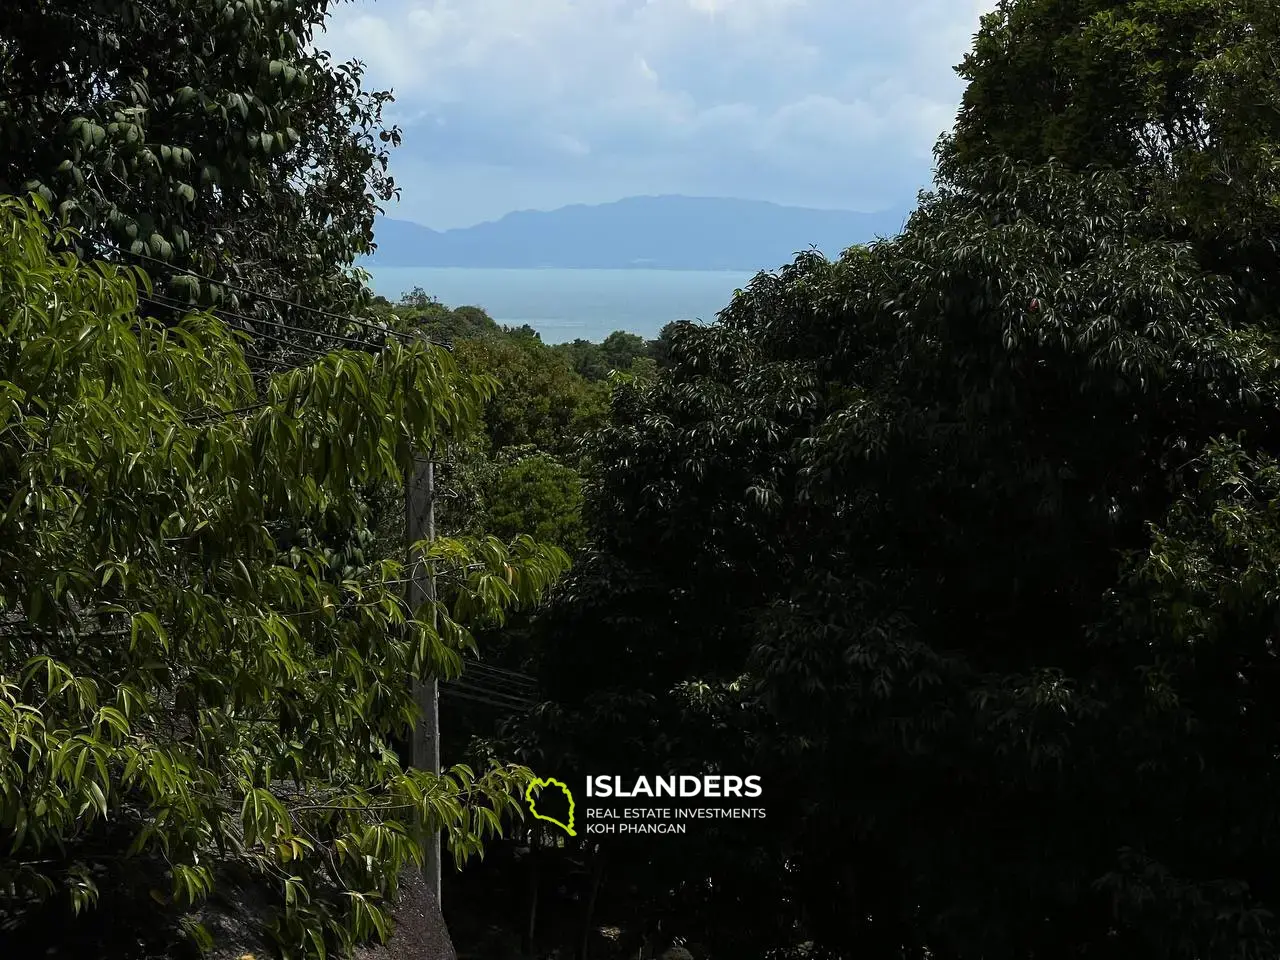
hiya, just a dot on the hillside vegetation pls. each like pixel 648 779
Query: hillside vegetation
pixel 967 541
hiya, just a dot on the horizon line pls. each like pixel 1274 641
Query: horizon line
pixel 647 196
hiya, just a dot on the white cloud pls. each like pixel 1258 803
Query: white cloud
pixel 534 103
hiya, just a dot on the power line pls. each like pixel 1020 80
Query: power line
pixel 278 365
pixel 448 690
pixel 479 685
pixel 300 347
pixel 451 694
pixel 505 689
pixel 496 669
pixel 505 675
pixel 275 323
pixel 175 304
pixel 501 682
pixel 174 268
pixel 481 690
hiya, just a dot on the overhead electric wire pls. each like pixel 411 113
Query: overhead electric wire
pixel 449 690
pixel 506 675
pixel 342 338
pixel 281 366
pixel 509 693
pixel 497 699
pixel 488 692
pixel 516 687
pixel 301 347
pixel 214 414
pixel 445 691
pixel 174 268
pixel 497 669
pixel 175 304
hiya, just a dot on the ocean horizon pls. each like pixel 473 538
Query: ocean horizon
pixel 570 304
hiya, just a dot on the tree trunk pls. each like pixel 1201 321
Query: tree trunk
pixel 597 874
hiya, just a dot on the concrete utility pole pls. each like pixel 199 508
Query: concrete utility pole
pixel 420 524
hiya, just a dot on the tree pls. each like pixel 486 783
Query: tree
pixel 584 357
pixel 932 530
pixel 660 349
pixel 417 299
pixel 969 535
pixel 621 349
pixel 540 496
pixel 524 332
pixel 202 657
pixel 540 401
pixel 1182 95
pixel 433 319
pixel 212 136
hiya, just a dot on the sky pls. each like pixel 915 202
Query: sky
pixel 535 104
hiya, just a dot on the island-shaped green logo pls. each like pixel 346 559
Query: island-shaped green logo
pixel 537 785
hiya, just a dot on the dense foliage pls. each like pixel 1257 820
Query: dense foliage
pixel 1181 95
pixel 536 494
pixel 212 135
pixel 202 660
pixel 520 469
pixel 966 540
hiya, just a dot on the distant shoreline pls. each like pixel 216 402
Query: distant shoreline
pixel 671 233
pixel 375 265
pixel 571 303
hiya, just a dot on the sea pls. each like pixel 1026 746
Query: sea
pixel 564 305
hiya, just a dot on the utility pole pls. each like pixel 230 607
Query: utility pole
pixel 420 524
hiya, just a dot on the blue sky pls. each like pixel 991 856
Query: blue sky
pixel 534 104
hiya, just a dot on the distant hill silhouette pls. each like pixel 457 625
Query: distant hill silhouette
pixel 669 232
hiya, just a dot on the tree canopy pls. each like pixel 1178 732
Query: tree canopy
pixel 202 659
pixel 213 136
pixel 1180 95
pixel 542 402
pixel 965 540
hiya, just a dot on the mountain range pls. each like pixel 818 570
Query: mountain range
pixel 663 232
